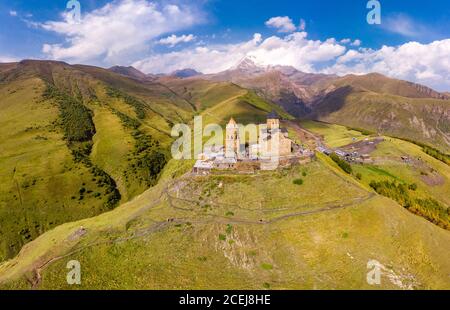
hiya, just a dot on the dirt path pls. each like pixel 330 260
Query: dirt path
pixel 161 225
pixel 302 132
pixel 237 220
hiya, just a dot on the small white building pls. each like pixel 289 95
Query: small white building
pixel 203 167
pixel 225 162
pixel 341 153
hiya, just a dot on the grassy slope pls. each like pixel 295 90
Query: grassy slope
pixel 112 144
pixel 382 84
pixel 37 173
pixel 204 94
pixel 333 135
pixel 135 246
pixel 387 157
pixel 156 96
pixel 40 180
pixel 422 120
pixel 219 101
pixel 389 165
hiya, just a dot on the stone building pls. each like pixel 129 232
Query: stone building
pixel 269 148
pixel 232 140
pixel 273 141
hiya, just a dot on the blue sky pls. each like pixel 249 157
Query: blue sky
pixel 412 42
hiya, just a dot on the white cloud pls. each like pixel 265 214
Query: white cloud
pixel 117 30
pixel 357 42
pixel 282 23
pixel 427 64
pixel 120 29
pixel 404 25
pixel 294 49
pixel 4 59
pixel 13 13
pixel 174 40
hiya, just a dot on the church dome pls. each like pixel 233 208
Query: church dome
pixel 273 115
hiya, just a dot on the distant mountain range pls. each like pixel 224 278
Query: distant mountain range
pixel 372 101
pixel 298 92
pixel 136 74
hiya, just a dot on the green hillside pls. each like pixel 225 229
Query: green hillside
pixel 402 170
pixel 423 120
pixel 379 83
pixel 242 232
pixel 221 100
pixel 42 185
pixel 79 140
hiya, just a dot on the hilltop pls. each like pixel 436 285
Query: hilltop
pixel 79 140
pixel 131 72
pixel 231 231
pixel 185 73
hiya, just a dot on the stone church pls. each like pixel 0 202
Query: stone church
pixel 273 141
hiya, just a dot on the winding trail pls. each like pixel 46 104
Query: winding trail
pixel 158 226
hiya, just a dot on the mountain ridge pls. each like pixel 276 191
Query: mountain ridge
pixel 328 97
pixel 185 73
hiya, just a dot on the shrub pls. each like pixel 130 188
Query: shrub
pixel 341 163
pixel 266 266
pixel 429 209
pixel 229 229
pixel 298 182
pixel 147 153
pixel 437 154
pixel 364 132
pixel 359 176
pixel 76 118
pixel 139 107
pixel 413 186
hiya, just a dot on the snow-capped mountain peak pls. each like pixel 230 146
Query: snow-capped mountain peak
pixel 250 64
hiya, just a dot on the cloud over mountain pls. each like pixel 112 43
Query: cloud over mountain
pixel 174 39
pixel 427 64
pixel 294 49
pixel 125 32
